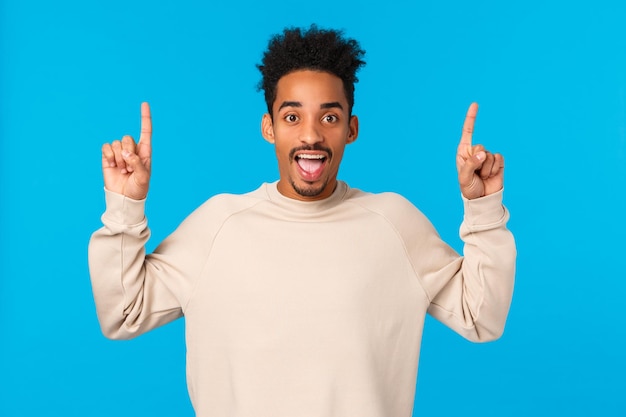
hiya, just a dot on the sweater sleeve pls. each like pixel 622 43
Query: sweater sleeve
pixel 472 294
pixel 133 292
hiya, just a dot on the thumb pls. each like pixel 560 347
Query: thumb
pixel 469 166
pixel 136 166
pixel 470 183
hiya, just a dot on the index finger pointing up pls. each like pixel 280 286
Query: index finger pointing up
pixel 468 128
pixel 145 138
pixel 146 123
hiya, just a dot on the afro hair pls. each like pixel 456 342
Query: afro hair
pixel 310 49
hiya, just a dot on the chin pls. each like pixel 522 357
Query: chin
pixel 309 190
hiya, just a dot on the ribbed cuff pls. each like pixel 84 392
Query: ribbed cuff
pixel 485 211
pixel 123 210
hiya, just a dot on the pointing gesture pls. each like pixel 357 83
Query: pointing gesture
pixel 126 165
pixel 480 172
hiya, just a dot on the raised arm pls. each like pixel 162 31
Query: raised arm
pixel 475 299
pixel 132 293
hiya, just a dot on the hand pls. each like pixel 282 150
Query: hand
pixel 480 172
pixel 126 166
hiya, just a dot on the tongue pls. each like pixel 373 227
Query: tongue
pixel 310 165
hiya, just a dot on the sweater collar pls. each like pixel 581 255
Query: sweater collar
pixel 306 207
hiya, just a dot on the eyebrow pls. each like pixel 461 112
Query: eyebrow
pixel 330 105
pixel 290 104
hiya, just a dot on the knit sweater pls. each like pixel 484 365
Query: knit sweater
pixel 299 308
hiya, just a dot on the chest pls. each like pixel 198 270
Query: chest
pixel 261 269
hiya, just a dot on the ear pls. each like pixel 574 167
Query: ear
pixel 267 128
pixel 354 129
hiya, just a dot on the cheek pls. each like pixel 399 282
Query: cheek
pixel 338 157
pixel 282 154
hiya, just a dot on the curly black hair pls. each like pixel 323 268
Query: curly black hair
pixel 312 49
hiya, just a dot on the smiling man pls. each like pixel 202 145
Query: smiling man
pixel 304 297
pixel 310 125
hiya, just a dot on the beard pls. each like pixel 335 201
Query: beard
pixel 310 190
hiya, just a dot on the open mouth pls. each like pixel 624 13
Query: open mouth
pixel 310 163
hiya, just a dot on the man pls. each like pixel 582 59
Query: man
pixel 304 297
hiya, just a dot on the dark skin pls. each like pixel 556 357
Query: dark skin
pixel 480 172
pixel 126 165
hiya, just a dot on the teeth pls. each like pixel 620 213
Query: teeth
pixel 307 156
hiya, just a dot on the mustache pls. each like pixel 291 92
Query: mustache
pixel 315 147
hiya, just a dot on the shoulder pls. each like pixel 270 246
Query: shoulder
pixel 392 206
pixel 225 205
pixel 408 223
pixel 214 212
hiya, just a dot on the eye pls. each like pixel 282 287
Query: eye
pixel 330 118
pixel 291 118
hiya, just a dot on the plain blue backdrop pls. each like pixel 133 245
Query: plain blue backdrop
pixel 551 81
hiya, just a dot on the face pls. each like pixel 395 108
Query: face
pixel 310 129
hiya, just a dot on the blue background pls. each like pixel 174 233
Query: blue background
pixel 551 81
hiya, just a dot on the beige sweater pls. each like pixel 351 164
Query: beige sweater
pixel 303 308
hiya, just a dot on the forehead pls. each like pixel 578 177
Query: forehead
pixel 310 87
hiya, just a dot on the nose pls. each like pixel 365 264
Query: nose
pixel 310 133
